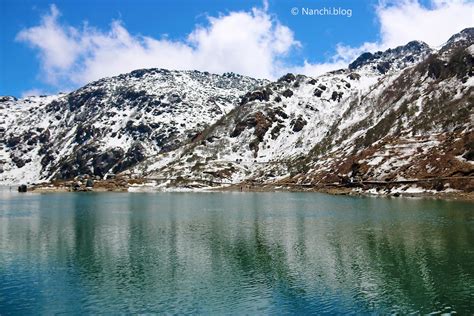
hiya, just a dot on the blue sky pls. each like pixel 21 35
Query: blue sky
pixel 47 46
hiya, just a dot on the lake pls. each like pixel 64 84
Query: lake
pixel 234 253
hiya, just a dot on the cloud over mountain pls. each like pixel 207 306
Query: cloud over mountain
pixel 249 43
pixel 400 22
pixel 253 43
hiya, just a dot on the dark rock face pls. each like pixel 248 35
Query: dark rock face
pixel 469 151
pixel 105 161
pixel 47 159
pixel 262 124
pixel 134 155
pixel 84 133
pixel 88 160
pixel 55 107
pixel 7 98
pixel 279 112
pixel 287 93
pixel 460 65
pixel 258 121
pixel 138 129
pixel 353 76
pixel 461 39
pixel 259 95
pixel 13 141
pixel 469 155
pixel 298 124
pixel 84 97
pixel 275 132
pixel 287 78
pixel 44 136
pixel 383 67
pixel 361 60
pixel 239 128
pixel 336 96
pixel 19 162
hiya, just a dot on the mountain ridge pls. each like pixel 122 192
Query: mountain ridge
pixel 180 125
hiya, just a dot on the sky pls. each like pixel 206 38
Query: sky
pixel 47 47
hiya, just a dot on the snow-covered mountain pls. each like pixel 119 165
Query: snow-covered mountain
pixel 417 124
pixel 111 124
pixel 395 116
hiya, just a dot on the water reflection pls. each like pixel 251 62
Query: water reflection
pixel 231 252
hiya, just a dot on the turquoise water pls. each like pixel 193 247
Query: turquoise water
pixel 234 253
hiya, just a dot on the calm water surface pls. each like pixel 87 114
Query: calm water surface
pixel 234 253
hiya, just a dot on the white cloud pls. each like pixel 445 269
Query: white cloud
pixel 58 46
pixel 33 92
pixel 317 69
pixel 408 20
pixel 250 43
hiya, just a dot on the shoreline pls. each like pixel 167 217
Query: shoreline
pixel 345 191
pixel 143 187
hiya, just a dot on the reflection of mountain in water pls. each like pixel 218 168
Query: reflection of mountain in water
pixel 206 253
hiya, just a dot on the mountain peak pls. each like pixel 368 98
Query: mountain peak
pixel 396 58
pixel 466 34
pixel 461 39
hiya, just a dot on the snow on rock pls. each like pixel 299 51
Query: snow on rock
pixel 111 124
pixel 406 113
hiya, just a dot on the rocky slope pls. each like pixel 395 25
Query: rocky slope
pixel 111 124
pixel 417 125
pixel 395 120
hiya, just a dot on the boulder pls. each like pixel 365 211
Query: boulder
pixel 22 188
